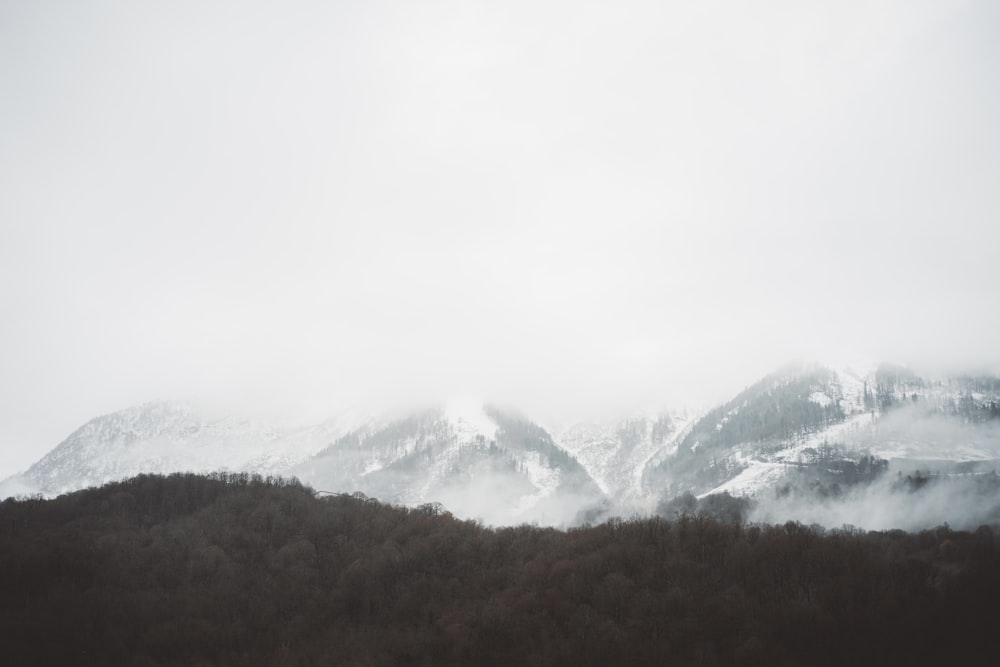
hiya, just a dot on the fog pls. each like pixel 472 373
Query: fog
pixel 919 490
pixel 964 502
pixel 575 208
pixel 921 432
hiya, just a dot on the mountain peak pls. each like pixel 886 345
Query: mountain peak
pixel 468 418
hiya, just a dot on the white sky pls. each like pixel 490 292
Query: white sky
pixel 573 207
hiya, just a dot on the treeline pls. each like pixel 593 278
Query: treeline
pixel 829 471
pixel 240 570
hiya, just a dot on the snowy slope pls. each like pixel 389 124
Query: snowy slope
pixel 888 412
pixel 494 466
pixel 478 462
pixel 167 437
pixel 616 453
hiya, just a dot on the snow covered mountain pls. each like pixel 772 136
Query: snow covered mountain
pixel 167 437
pixel 477 461
pixel 805 436
pixel 819 433
pixel 616 454
pixel 784 421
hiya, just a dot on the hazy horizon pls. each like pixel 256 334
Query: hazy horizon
pixel 572 208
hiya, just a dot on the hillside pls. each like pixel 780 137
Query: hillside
pixel 479 462
pixel 804 422
pixel 238 570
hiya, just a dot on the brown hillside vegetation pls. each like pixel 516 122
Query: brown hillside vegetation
pixel 238 570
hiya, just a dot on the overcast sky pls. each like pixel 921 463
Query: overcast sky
pixel 573 207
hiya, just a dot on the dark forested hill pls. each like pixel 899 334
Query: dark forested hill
pixel 237 570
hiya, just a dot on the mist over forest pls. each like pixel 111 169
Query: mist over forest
pixel 243 570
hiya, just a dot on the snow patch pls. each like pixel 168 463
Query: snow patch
pixel 468 420
pixel 820 398
pixel 759 475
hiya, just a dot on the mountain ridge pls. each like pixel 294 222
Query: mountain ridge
pixel 501 467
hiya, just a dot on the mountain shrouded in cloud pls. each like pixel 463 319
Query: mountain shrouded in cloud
pixel 576 208
pixel 875 446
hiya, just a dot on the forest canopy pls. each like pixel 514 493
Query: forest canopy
pixel 241 570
